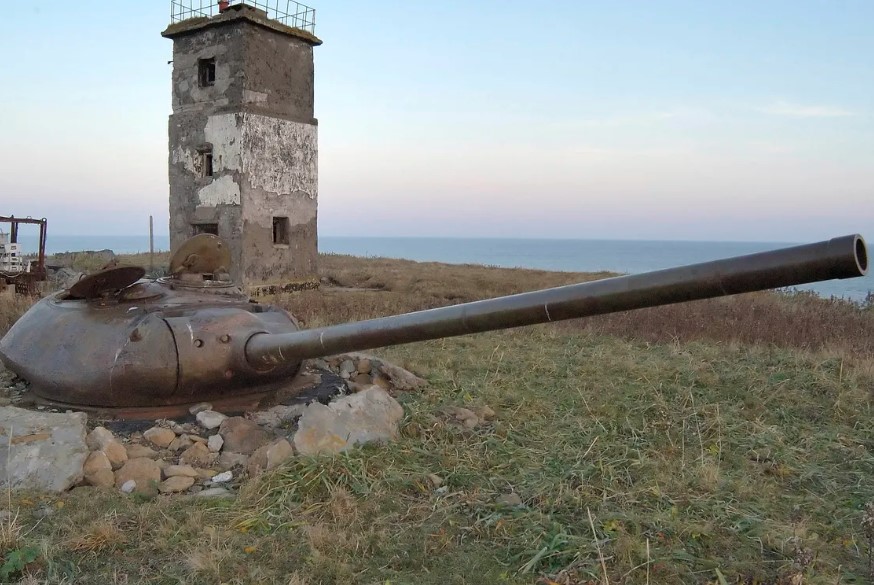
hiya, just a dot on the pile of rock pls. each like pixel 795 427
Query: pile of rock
pixel 361 370
pixel 207 455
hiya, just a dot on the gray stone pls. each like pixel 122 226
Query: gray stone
pixel 222 477
pixel 128 487
pixel 210 419
pixel 371 415
pixel 278 415
pixel 214 492
pixel 41 451
pixel 214 443
pixel 347 367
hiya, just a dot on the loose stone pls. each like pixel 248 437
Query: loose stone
pixel 197 454
pixel 136 451
pixel 144 472
pixel 160 437
pixel 200 407
pixel 215 443
pixel 209 419
pixel 175 484
pixel 129 486
pixel 242 435
pixel 215 492
pixel 180 471
pixel 223 477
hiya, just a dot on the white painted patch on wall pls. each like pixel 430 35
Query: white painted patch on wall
pixel 223 133
pixel 221 191
pixel 280 156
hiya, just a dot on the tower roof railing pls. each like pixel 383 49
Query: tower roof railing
pixel 288 12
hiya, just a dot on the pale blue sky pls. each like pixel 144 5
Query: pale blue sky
pixel 572 119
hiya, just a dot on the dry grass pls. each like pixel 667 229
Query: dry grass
pixel 727 439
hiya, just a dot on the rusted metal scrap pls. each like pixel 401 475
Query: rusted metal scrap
pixel 119 343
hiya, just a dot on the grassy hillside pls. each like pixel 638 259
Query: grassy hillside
pixel 726 441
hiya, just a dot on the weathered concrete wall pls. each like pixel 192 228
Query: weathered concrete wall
pixel 257 119
pixel 224 44
pixel 195 199
pixel 279 75
pixel 280 179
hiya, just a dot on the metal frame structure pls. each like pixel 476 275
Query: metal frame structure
pixel 25 282
pixel 287 12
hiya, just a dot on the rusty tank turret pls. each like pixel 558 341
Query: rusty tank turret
pixel 120 343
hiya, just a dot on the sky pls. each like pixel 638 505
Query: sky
pixel 740 121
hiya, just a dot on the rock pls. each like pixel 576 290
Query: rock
pixel 180 443
pixel 215 492
pixel 278 415
pixel 196 438
pixel 5 401
pixel 116 453
pixel 137 451
pixel 162 464
pixel 200 407
pixel 222 477
pixel 242 435
pixel 41 451
pixel 400 378
pixel 363 379
pixel 98 438
pixel 364 366
pixel 102 478
pixel 177 483
pixel 143 471
pixel 215 443
pixel 96 461
pixel 511 500
pixel 347 367
pixel 98 470
pixel 210 419
pixel 198 454
pixel 180 471
pixel 129 486
pixel 463 416
pixel 269 456
pixel 435 480
pixel 159 437
pixel 485 413
pixel 371 415
pixel 227 460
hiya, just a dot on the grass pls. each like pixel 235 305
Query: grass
pixel 722 441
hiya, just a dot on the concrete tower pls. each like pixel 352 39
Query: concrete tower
pixel 243 139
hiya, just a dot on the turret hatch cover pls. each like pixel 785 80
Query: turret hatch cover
pixel 201 254
pixel 106 281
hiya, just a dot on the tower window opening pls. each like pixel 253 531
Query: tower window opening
pixel 280 231
pixel 206 169
pixel 205 228
pixel 206 72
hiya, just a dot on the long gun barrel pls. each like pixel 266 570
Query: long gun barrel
pixel 843 257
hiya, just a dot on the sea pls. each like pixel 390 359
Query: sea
pixel 622 256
